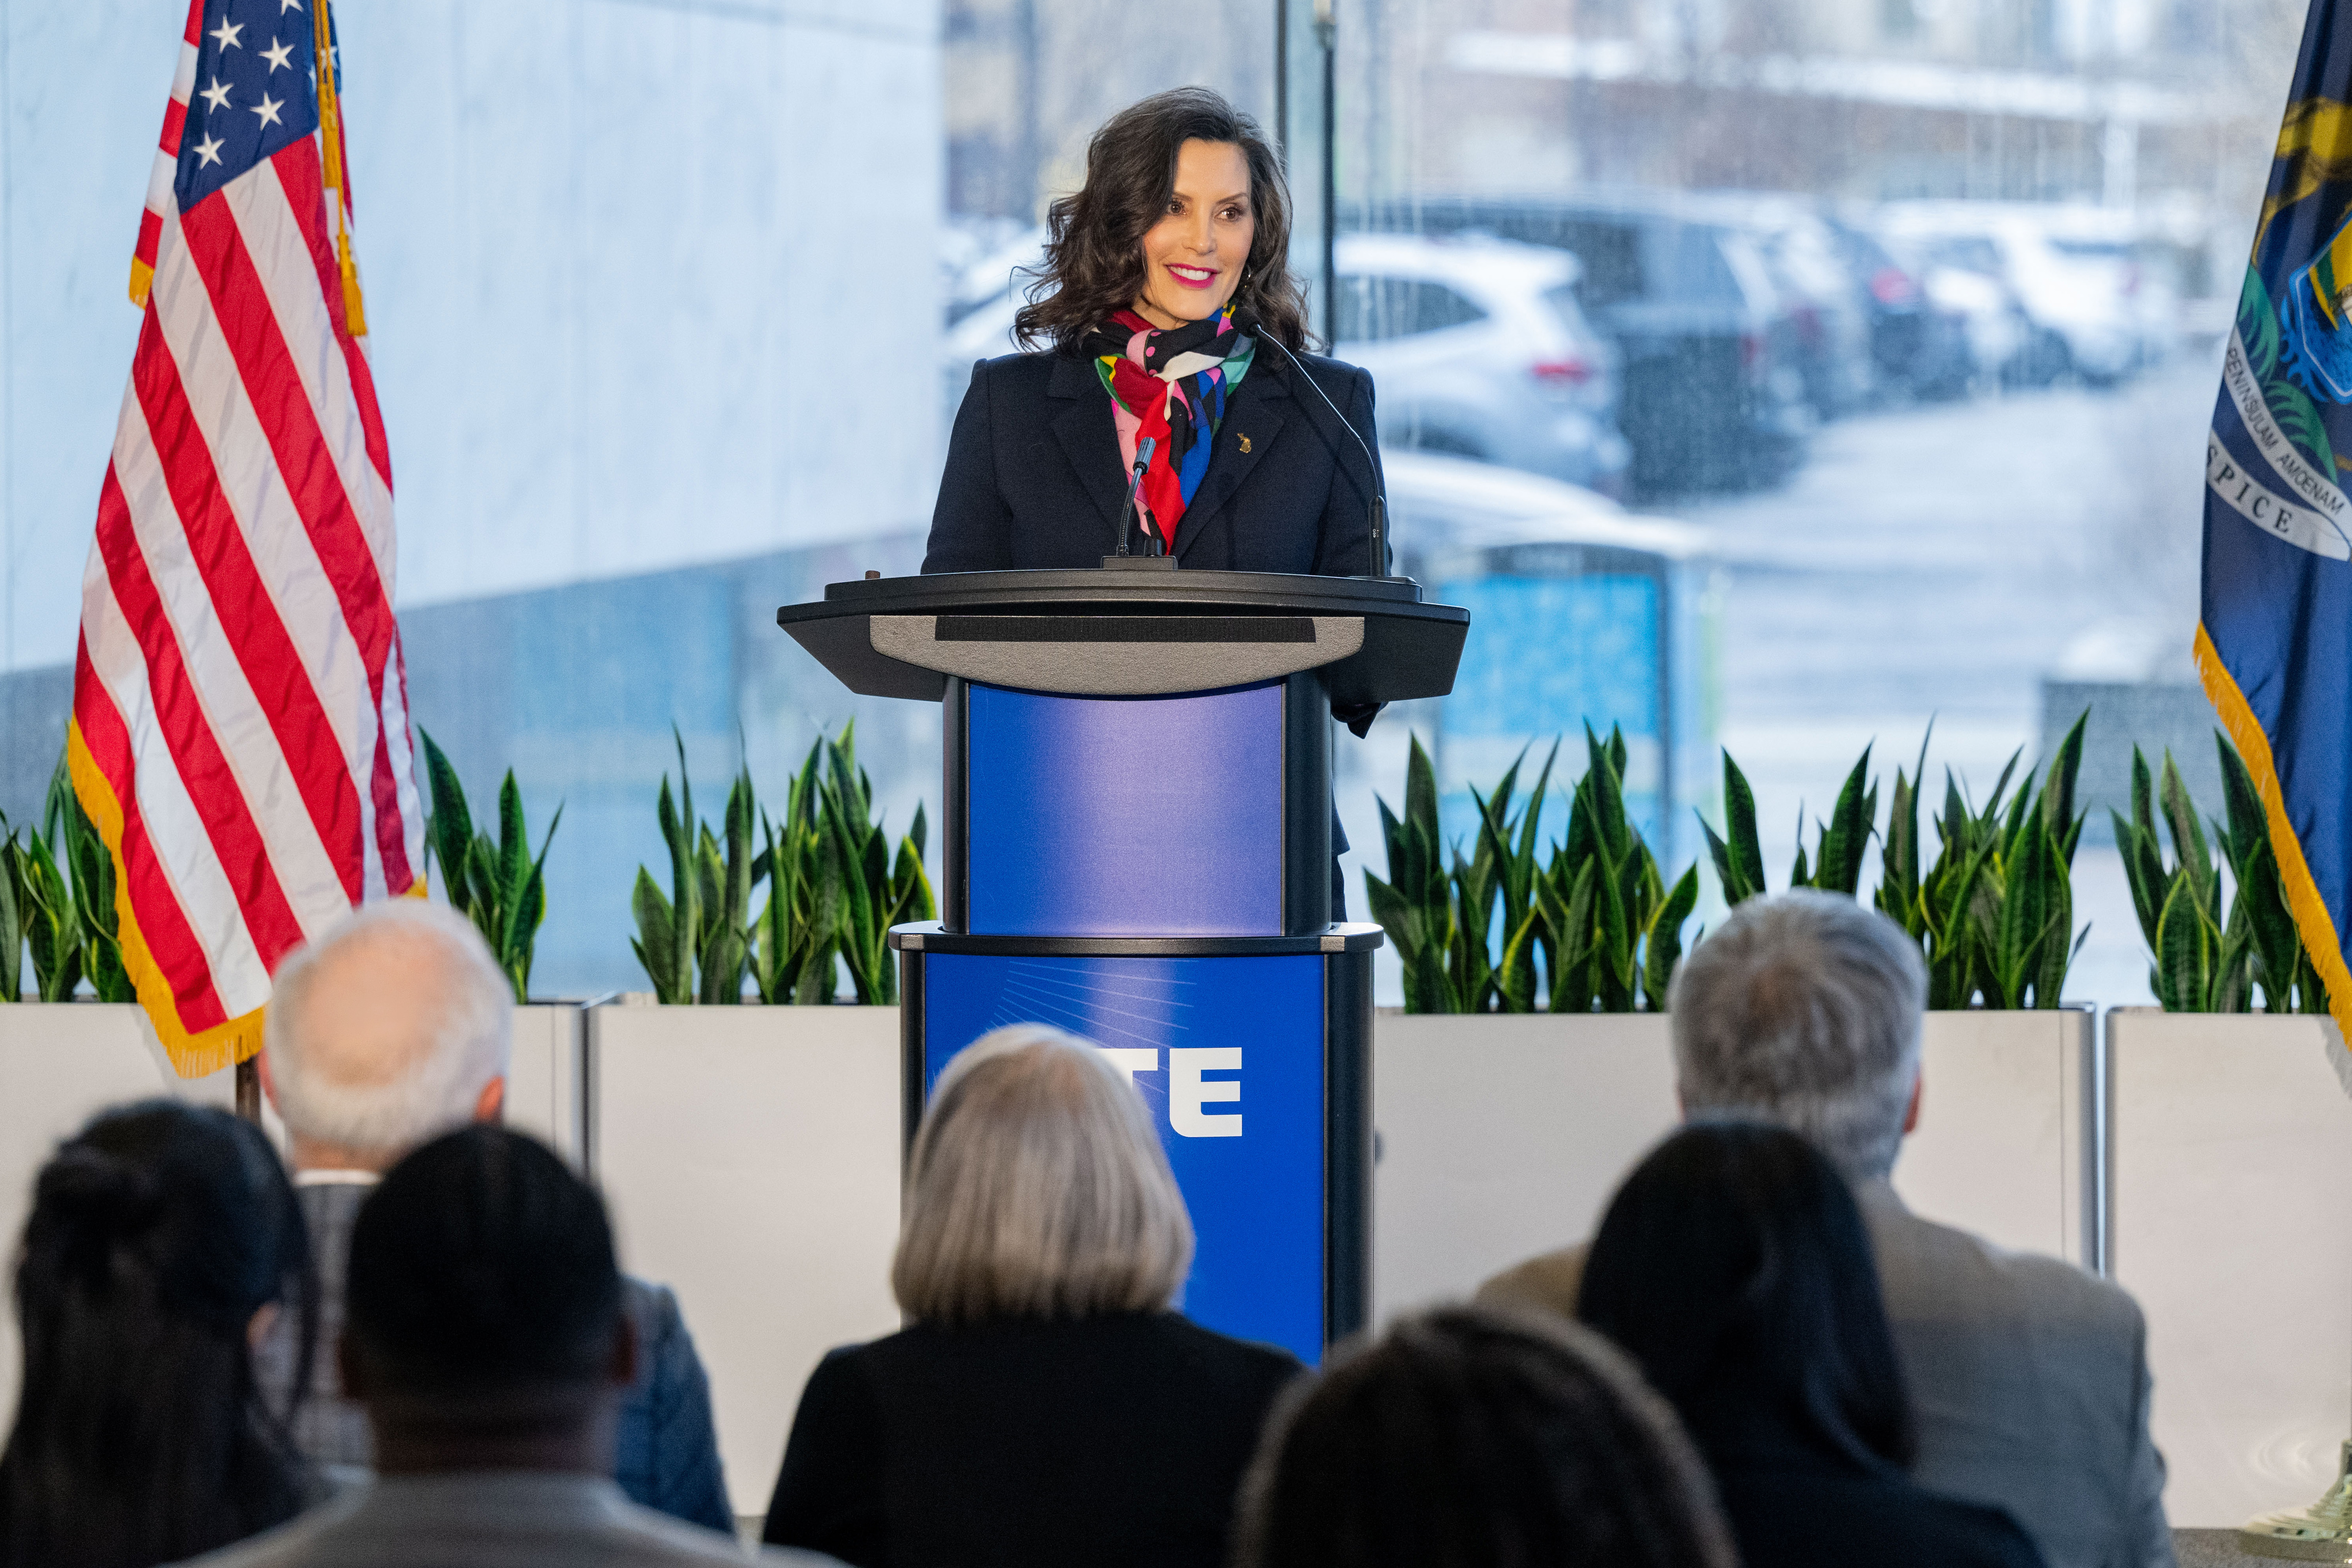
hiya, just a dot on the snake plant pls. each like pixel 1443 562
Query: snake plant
pixel 57 902
pixel 91 866
pixel 499 885
pixel 835 889
pixel 878 889
pixel 1993 914
pixel 1593 926
pixel 2207 959
pixel 1836 865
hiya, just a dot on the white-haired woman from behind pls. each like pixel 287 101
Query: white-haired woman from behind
pixel 1044 1404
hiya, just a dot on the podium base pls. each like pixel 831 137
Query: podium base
pixel 2320 1533
pixel 1253 1056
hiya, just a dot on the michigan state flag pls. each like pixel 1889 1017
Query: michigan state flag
pixel 2274 644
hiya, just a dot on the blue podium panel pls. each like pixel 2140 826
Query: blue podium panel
pixel 1228 1051
pixel 1126 816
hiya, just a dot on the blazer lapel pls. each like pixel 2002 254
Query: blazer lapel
pixel 1252 419
pixel 1088 438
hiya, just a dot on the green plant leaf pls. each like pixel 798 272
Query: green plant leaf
pixel 1663 947
pixel 1515 976
pixel 1745 878
pixel 1576 938
pixel 449 832
pixel 656 944
pixel 2188 841
pixel 2185 952
pixel 1846 836
pixel 2058 784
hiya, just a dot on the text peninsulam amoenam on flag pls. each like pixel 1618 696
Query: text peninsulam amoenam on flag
pixel 240 728
pixel 2319 526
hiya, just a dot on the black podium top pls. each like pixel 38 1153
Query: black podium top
pixel 1139 633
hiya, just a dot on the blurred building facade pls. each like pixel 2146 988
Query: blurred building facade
pixel 2121 103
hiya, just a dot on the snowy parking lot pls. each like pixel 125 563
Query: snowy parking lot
pixel 1938 562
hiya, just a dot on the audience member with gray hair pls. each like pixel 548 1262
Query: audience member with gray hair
pixel 392 1028
pixel 1046 1404
pixel 2029 1377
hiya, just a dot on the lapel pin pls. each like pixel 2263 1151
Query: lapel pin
pixel 1244 443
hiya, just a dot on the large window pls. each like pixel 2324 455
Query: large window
pixel 1903 323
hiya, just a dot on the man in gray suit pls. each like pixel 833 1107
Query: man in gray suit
pixel 2029 1377
pixel 487 1335
pixel 392 1028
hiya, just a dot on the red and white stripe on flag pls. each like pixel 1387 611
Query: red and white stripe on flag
pixel 240 728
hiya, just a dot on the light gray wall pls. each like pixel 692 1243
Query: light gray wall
pixel 648 282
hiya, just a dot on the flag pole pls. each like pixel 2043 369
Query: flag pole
pixel 330 151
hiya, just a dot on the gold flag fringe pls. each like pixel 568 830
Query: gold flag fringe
pixel 2311 916
pixel 193 1055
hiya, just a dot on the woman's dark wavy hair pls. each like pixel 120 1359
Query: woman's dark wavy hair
pixel 1734 1266
pixel 1471 1438
pixel 141 1435
pixel 1094 263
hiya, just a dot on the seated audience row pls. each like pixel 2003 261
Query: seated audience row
pixel 1753 1362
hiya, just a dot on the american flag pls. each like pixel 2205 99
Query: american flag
pixel 240 725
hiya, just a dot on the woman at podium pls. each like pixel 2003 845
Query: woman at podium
pixel 1168 398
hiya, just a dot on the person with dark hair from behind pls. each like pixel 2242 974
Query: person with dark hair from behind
pixel 163 1239
pixel 487 1336
pixel 1734 1266
pixel 1479 1437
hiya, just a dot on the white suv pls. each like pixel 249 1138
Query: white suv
pixel 1478 348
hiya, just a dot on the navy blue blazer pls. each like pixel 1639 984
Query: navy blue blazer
pixel 1034 477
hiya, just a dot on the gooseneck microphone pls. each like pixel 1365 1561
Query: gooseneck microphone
pixel 1249 321
pixel 1127 518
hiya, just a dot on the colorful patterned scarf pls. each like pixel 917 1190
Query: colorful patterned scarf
pixel 1170 386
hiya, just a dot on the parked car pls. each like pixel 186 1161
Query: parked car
pixel 1919 343
pixel 1712 397
pixel 1479 349
pixel 2070 272
pixel 1826 309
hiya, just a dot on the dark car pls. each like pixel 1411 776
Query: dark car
pixel 1918 348
pixel 1712 395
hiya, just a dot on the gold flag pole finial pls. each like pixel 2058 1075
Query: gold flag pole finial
pixel 330 138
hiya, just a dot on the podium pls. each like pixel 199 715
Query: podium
pixel 1137 847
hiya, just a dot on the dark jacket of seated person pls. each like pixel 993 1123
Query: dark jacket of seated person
pixel 1045 1408
pixel 1734 1266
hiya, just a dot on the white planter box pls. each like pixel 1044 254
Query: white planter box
pixel 2232 1149
pixel 750 1158
pixel 1501 1137
pixel 2007 1144
pixel 547 1081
